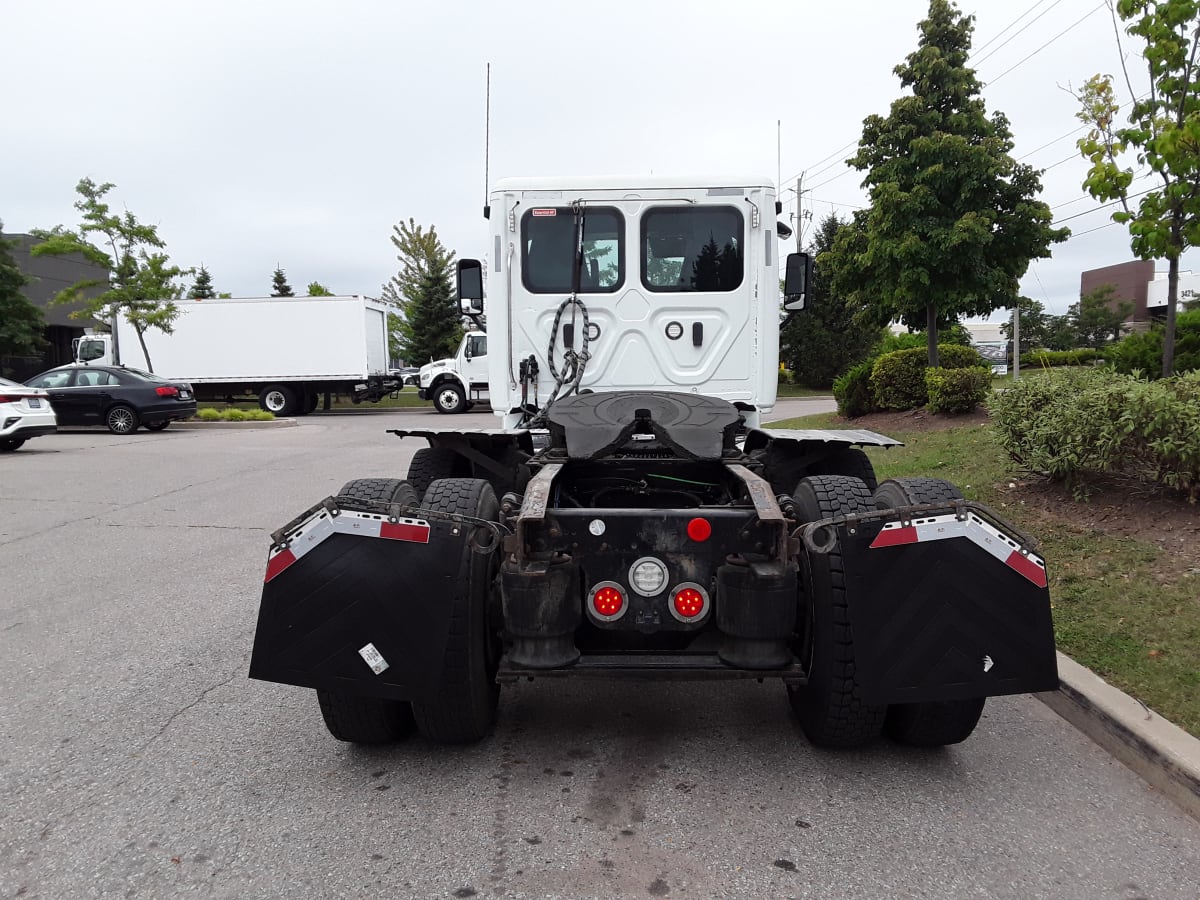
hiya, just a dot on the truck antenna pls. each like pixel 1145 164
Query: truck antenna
pixel 487 136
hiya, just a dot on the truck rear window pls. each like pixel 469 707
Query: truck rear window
pixel 687 248
pixel 548 248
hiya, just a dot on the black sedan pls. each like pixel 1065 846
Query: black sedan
pixel 115 396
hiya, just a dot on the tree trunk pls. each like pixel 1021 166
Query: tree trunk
pixel 931 334
pixel 145 352
pixel 1168 368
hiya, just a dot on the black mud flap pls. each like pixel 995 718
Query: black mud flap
pixel 946 607
pixel 359 603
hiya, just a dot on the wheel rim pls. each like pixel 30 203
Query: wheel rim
pixel 274 401
pixel 120 420
pixel 448 399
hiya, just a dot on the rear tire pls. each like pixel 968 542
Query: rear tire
pixel 830 707
pixel 9 444
pixel 849 461
pixel 937 723
pixel 157 426
pixel 448 398
pixel 431 463
pixel 465 706
pixel 278 399
pixel 121 419
pixel 365 720
pixel 369 720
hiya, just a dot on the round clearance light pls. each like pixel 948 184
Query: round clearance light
pixel 648 576
pixel 606 602
pixel 699 530
pixel 689 603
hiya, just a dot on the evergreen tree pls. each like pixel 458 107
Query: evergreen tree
pixel 203 287
pixel 953 222
pixel 316 289
pixel 431 324
pixel 21 323
pixel 279 284
pixel 1097 318
pixel 829 335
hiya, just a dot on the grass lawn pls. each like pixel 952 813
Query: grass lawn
pixel 796 390
pixel 1125 608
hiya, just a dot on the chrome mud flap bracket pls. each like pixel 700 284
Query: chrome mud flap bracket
pixel 356 600
pixel 946 602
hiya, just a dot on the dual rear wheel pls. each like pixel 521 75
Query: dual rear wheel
pixel 830 707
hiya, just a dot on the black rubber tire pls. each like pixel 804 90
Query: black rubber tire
pixel 380 490
pixel 848 461
pixel 7 445
pixel 121 419
pixel 369 720
pixel 278 399
pixel 157 426
pixel 830 707
pixel 465 707
pixel 442 398
pixel 365 720
pixel 312 399
pixel 939 723
pixel 431 463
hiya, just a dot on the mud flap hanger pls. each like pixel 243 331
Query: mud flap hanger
pixel 935 521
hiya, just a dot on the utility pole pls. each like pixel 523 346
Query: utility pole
pixel 799 213
pixel 1017 342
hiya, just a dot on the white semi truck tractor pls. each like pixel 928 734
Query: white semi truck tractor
pixel 628 517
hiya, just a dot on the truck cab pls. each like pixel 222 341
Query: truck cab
pixel 455 384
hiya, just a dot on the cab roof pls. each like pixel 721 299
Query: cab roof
pixel 631 183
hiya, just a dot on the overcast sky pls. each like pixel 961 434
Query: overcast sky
pixel 298 133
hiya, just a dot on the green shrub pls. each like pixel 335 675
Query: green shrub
pixel 957 390
pixel 1144 351
pixel 1045 359
pixel 233 414
pixel 852 390
pixel 785 377
pixel 898 379
pixel 1076 422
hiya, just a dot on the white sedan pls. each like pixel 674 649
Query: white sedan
pixel 25 412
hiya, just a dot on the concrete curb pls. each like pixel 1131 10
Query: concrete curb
pixel 1163 754
pixel 244 426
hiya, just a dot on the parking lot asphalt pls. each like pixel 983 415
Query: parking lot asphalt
pixel 137 759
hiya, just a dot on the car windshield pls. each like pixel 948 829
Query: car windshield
pixel 5 383
pixel 146 376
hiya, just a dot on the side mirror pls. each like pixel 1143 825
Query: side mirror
pixel 467 349
pixel 797 278
pixel 470 283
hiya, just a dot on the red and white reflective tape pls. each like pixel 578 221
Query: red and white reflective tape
pixel 974 529
pixel 348 521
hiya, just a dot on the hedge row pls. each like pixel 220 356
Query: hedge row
pixel 1077 422
pixel 1044 359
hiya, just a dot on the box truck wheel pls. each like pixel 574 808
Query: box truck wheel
pixel 431 463
pixel 278 399
pixel 830 707
pixel 121 419
pixel 465 705
pixel 448 398
pixel 933 724
pixel 369 720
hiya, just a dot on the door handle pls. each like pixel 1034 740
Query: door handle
pixel 697 334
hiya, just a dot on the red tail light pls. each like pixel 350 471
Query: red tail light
pixel 167 391
pixel 699 530
pixel 689 603
pixel 606 602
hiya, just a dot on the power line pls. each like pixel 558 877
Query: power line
pixel 1071 27
pixel 1026 25
pixel 1088 212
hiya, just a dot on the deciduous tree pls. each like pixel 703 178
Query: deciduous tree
pixel 1097 318
pixel 316 289
pixel 142 285
pixel 21 323
pixel 953 221
pixel 1164 135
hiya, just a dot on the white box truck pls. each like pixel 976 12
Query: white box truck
pixel 283 351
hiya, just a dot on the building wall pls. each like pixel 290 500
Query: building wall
pixel 1131 280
